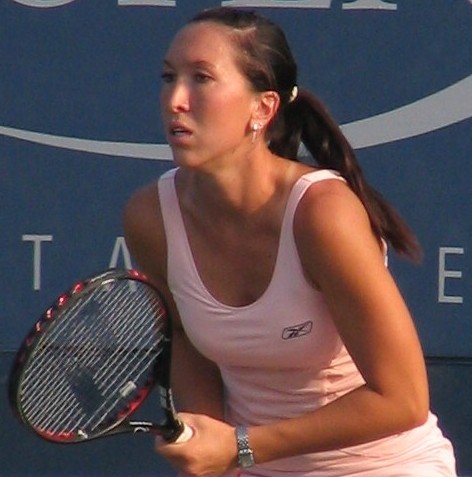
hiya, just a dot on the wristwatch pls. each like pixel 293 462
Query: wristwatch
pixel 245 454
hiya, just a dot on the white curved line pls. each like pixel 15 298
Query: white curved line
pixel 448 106
pixel 44 3
pixel 278 3
pixel 109 148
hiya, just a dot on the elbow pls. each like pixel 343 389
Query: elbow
pixel 406 408
pixel 415 411
pixel 420 416
pixel 417 418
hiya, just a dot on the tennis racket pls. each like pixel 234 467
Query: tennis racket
pixel 93 358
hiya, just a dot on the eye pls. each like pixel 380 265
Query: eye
pixel 167 76
pixel 202 77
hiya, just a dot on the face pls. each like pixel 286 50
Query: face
pixel 206 103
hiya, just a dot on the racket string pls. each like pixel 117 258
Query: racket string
pixel 90 354
pixel 71 411
pixel 136 365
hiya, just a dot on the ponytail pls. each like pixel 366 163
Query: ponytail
pixel 307 121
pixel 264 57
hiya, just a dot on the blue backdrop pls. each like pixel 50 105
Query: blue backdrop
pixel 80 130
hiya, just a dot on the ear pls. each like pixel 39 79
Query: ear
pixel 266 106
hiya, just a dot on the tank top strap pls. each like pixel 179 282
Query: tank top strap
pixel 301 186
pixel 179 253
pixel 168 199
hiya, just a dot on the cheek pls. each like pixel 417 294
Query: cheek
pixel 232 110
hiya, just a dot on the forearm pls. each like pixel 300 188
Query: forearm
pixel 358 417
pixel 196 381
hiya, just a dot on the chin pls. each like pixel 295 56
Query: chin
pixel 185 158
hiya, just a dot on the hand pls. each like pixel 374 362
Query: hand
pixel 210 452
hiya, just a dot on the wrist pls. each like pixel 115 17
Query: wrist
pixel 245 455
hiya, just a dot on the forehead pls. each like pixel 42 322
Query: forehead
pixel 204 41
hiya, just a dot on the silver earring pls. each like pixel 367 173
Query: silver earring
pixel 255 128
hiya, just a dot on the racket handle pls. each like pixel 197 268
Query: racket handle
pixel 186 435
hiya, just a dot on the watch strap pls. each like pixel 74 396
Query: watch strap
pixel 245 453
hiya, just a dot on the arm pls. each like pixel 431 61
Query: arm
pixel 342 257
pixel 196 382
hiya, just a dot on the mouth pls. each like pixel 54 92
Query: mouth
pixel 178 130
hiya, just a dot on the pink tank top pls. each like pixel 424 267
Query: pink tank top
pixel 281 355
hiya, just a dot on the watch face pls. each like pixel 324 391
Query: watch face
pixel 246 459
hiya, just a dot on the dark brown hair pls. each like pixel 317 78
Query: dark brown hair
pixel 266 60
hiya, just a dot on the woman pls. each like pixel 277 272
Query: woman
pixel 294 352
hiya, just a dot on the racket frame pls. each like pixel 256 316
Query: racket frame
pixel 170 428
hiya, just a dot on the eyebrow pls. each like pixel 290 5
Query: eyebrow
pixel 196 63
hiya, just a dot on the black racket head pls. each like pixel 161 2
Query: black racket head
pixel 91 359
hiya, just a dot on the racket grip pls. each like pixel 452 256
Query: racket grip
pixel 185 435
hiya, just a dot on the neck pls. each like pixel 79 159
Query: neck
pixel 244 187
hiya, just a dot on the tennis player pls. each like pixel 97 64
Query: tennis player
pixel 295 353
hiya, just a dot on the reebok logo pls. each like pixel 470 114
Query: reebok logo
pixel 296 331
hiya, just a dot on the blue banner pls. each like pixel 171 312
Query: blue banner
pixel 80 129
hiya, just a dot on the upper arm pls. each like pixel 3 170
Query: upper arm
pixel 146 241
pixel 145 238
pixel 342 256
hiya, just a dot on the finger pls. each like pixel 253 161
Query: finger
pixel 186 435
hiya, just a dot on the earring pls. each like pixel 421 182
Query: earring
pixel 255 128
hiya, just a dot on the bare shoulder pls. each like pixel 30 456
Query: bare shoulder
pixel 144 230
pixel 142 211
pixel 332 230
pixel 141 205
pixel 330 205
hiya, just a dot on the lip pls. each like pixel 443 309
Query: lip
pixel 179 132
pixel 176 125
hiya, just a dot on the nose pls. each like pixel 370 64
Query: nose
pixel 176 97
